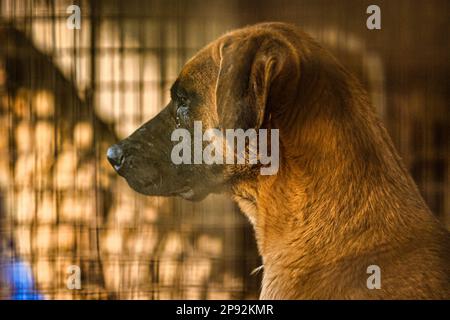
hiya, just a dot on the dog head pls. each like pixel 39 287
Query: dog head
pixel 233 83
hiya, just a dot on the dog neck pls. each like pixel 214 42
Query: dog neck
pixel 338 172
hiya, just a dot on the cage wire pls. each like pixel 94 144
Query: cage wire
pixel 66 95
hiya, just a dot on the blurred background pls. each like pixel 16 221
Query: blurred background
pixel 65 95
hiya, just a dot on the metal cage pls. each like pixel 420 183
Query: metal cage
pixel 65 95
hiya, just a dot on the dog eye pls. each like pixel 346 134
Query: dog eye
pixel 182 112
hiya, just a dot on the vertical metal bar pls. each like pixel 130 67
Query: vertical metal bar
pixel 95 10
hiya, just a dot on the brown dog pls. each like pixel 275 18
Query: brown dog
pixel 341 200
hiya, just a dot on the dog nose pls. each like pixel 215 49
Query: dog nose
pixel 115 156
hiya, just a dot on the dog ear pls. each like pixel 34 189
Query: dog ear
pixel 251 78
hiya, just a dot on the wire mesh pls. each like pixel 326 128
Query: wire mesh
pixel 66 95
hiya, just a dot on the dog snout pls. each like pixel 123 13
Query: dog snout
pixel 115 156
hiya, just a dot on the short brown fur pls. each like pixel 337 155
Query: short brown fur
pixel 342 199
